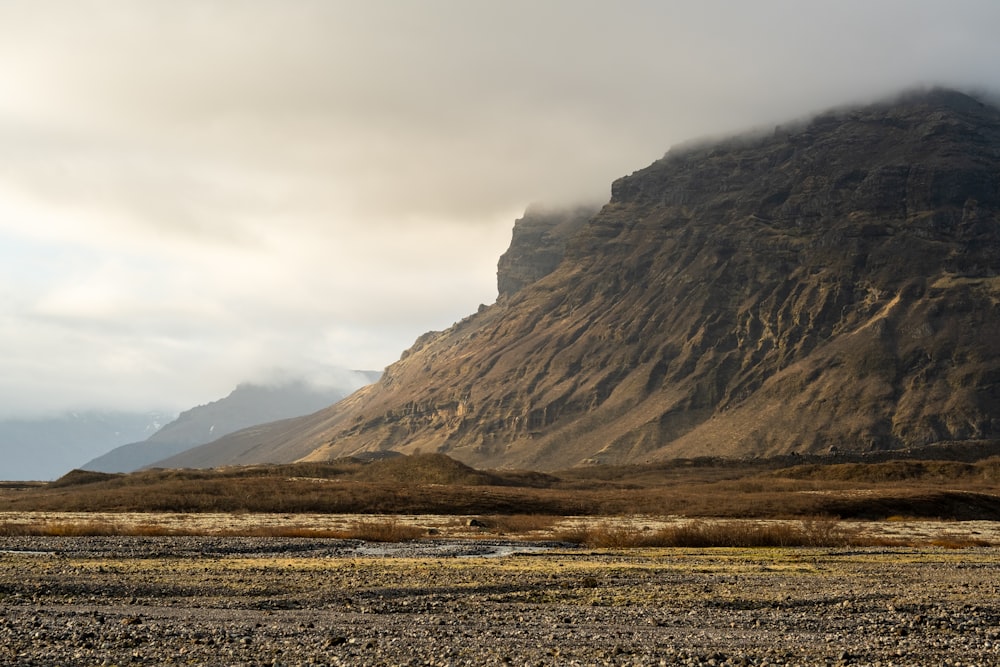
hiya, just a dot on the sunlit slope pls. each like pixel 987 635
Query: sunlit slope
pixel 829 284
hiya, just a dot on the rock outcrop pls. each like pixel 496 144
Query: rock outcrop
pixel 832 284
pixel 537 246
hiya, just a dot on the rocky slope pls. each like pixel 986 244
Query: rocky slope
pixel 831 284
pixel 537 246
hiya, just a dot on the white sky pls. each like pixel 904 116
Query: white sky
pixel 197 193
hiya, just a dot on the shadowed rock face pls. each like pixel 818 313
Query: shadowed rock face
pixel 537 246
pixel 830 284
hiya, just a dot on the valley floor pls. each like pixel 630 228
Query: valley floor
pixel 278 601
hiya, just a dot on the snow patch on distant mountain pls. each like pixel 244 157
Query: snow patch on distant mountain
pixel 44 448
pixel 248 405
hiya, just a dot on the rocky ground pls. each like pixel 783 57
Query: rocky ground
pixel 270 601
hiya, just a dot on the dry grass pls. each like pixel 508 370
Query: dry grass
pixel 81 529
pixel 518 524
pixel 369 530
pixel 958 542
pixel 385 531
pixel 821 532
pixel 295 495
pixel 606 532
pixel 985 472
pixel 702 534
pixel 512 502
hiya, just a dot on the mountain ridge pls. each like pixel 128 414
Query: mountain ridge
pixel 828 285
pixel 45 447
pixel 247 405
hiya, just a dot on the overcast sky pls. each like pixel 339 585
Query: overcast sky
pixel 194 194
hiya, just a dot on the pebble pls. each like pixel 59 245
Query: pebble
pixel 53 610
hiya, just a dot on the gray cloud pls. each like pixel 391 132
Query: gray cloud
pixel 193 193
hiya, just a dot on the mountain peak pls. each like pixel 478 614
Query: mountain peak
pixel 937 97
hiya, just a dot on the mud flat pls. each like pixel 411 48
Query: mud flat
pixel 276 601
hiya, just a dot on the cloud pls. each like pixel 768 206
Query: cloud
pixel 192 192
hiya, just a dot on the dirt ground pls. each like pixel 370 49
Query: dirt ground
pixel 279 601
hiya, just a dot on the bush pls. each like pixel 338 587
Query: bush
pixel 702 534
pixel 518 524
pixel 386 530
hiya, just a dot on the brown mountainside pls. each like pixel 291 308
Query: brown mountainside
pixel 830 284
pixel 537 246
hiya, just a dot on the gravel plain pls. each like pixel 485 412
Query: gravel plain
pixel 277 601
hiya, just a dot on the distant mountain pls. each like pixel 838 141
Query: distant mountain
pixel 247 405
pixel 831 284
pixel 46 448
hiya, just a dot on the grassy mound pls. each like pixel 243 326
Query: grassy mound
pixel 437 484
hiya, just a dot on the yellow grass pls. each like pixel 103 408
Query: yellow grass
pixel 637 531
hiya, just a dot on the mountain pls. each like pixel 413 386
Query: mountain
pixel 830 284
pixel 45 448
pixel 245 406
pixel 537 246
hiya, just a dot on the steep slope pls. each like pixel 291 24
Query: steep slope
pixel 537 246
pixel 245 406
pixel 828 284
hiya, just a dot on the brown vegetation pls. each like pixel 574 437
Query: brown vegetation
pixel 435 484
pixel 985 472
pixel 80 529
pixel 369 530
pixel 698 534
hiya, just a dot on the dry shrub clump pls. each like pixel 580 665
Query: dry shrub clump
pixel 959 542
pixel 386 530
pixel 294 531
pixel 518 524
pixel 700 534
pixel 986 471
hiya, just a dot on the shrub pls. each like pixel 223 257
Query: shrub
pixel 518 524
pixel 386 530
pixel 702 534
pixel 958 542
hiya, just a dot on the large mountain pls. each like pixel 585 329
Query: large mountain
pixel 828 284
pixel 245 406
pixel 44 448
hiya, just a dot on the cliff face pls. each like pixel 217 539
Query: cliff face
pixel 537 246
pixel 831 284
